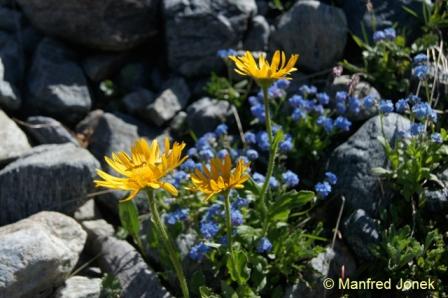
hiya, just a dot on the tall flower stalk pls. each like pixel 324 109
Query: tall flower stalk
pixel 265 74
pixel 145 169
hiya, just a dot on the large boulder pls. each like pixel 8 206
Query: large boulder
pixel 49 177
pixel 56 83
pixel 38 253
pixel 46 130
pixel 13 139
pixel 109 24
pixel 257 37
pixel 197 29
pixel 353 161
pixel 11 72
pixel 80 287
pixel 10 19
pixel 314 30
pixel 206 114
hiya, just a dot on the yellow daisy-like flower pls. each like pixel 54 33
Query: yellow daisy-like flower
pixel 220 176
pixel 146 167
pixel 264 73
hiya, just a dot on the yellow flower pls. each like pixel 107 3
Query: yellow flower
pixel 219 177
pixel 264 73
pixel 146 167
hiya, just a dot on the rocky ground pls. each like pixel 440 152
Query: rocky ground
pixel 82 79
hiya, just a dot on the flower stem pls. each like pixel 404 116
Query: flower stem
pixel 271 162
pixel 167 243
pixel 229 227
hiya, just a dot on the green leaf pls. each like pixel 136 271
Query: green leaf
pixel 248 233
pixel 410 11
pixel 238 269
pixel 228 291
pixel 128 214
pixel 207 293
pixel 293 199
pixel 380 171
pixel 358 41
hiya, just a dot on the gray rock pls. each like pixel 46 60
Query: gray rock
pixel 135 76
pixel 173 99
pixel 103 66
pixel 11 72
pixel 197 29
pixel 49 177
pixel 46 130
pixel 361 232
pixel 257 37
pixel 120 259
pixel 315 31
pixel 137 101
pixel 178 124
pixel 87 211
pixel 207 113
pixel 437 201
pixel 13 139
pixel 108 25
pixel 384 13
pixel 360 90
pixel 38 253
pixel 96 230
pixel 56 83
pixel 10 20
pixel 80 287
pixel 353 161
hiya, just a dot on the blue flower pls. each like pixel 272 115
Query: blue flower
pixel 402 105
pixel 198 251
pixel 239 203
pixel 236 217
pixel 221 130
pixel 206 154
pixel 326 123
pixel 342 123
pixel 404 134
pixel 205 141
pixel 258 178
pixel 378 36
pixel 252 154
pixel 390 34
pixel 331 178
pixel 341 96
pixel 254 100
pixel 369 101
pixel 263 140
pixel 264 245
pixel 273 183
pixel 213 210
pixel 192 152
pixel 319 109
pixel 244 159
pixel 422 110
pixel 323 98
pixel 298 114
pixel 433 116
pixel 258 112
pixel 414 99
pixel 222 153
pixel 290 178
pixel 386 106
pixel 341 108
pixel 179 177
pixel 250 138
pixel 209 229
pixel 437 138
pixel 421 72
pixel 282 83
pixel 189 165
pixel 296 101
pixel 286 144
pixel 323 189
pixel 224 53
pixel 417 129
pixel 420 58
pixel 308 90
pixel 172 218
pixel 354 105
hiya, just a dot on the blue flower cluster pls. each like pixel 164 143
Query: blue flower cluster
pixel 277 90
pixel 171 218
pixel 224 53
pixel 420 67
pixel 198 251
pixel 324 188
pixel 264 245
pixel 386 34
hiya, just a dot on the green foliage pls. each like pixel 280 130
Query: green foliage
pixel 129 219
pixel 110 287
pixel 222 88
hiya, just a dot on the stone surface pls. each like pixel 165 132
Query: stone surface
pixel 257 37
pixel 80 287
pixel 136 102
pixel 100 67
pixel 11 72
pixel 87 211
pixel 361 232
pixel 360 90
pixel 172 99
pixel 13 139
pixel 386 13
pixel 197 29
pixel 46 130
pixel 109 24
pixel 437 201
pixel 315 31
pixel 207 113
pixel 56 83
pixel 178 124
pixel 10 19
pixel 353 161
pixel 38 253
pixel 49 177
pixel 120 259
